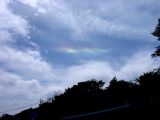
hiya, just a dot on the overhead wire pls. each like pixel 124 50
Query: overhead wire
pixel 18 109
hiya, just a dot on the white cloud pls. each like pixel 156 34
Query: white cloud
pixel 39 5
pixel 23 72
pixel 89 70
pixel 108 17
pixel 12 22
pixel 18 92
pixel 113 18
pixel 22 61
pixel 136 65
pixel 133 67
pixel 32 3
pixel 13 58
pixel 5 37
pixel 25 78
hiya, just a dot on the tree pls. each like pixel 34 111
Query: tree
pixel 7 117
pixel 81 98
pixel 120 91
pixel 156 33
pixel 150 83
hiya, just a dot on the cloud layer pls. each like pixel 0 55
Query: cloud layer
pixel 108 17
pixel 49 45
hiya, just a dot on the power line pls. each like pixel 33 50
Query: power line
pixel 19 108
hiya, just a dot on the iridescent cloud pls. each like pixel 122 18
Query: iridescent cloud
pixel 82 50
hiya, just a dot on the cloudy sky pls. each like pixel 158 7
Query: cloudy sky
pixel 48 45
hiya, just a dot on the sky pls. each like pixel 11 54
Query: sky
pixel 49 45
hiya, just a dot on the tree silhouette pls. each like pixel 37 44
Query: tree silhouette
pixel 120 91
pixel 150 83
pixel 80 98
pixel 156 33
pixel 7 117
